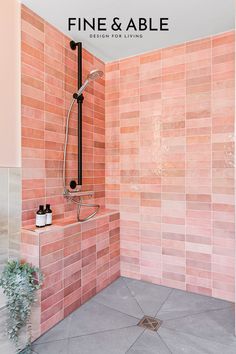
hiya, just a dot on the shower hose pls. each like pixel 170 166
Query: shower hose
pixel 69 195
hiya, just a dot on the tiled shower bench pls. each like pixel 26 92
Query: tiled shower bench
pixel 77 260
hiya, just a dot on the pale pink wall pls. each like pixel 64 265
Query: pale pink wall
pixel 170 164
pixel 10 83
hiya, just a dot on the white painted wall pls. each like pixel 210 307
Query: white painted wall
pixel 10 130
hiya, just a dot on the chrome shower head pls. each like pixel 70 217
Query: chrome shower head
pixel 93 75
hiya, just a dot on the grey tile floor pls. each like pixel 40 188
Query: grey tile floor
pixel 107 324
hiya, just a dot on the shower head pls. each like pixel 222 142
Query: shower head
pixel 93 75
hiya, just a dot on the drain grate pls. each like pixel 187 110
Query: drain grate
pixel 150 323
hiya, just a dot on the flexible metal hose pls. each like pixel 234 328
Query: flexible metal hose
pixel 97 206
pixel 66 191
pixel 66 142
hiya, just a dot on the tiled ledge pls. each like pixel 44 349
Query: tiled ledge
pixel 77 260
pixel 69 222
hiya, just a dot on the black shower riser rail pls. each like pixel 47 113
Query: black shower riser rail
pixel 79 99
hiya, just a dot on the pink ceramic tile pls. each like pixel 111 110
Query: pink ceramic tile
pixel 53 70
pixel 72 275
pixel 171 154
pixel 157 137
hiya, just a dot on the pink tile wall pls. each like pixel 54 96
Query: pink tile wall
pixel 49 72
pixel 77 260
pixel 169 146
pixel 169 164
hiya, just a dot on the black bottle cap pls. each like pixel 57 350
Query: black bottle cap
pixel 47 206
pixel 41 207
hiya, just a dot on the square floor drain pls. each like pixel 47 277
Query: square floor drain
pixel 150 323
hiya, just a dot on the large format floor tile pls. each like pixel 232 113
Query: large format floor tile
pixel 60 331
pixel 107 324
pixel 119 297
pixel 216 325
pixel 179 342
pixel 149 343
pixel 181 303
pixel 57 347
pixel 116 342
pixel 94 317
pixel 149 296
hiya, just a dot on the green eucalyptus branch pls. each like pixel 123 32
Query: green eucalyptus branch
pixel 20 281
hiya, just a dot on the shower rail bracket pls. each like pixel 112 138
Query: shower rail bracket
pixel 77 193
pixel 79 98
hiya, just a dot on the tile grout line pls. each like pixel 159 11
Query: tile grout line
pixel 83 335
pixel 111 308
pixel 164 302
pixel 164 342
pixel 133 296
pixel 193 335
pixel 165 327
pixel 196 313
pixel 112 330
pixel 135 341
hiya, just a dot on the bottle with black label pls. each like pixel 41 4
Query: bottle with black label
pixel 41 217
pixel 48 215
